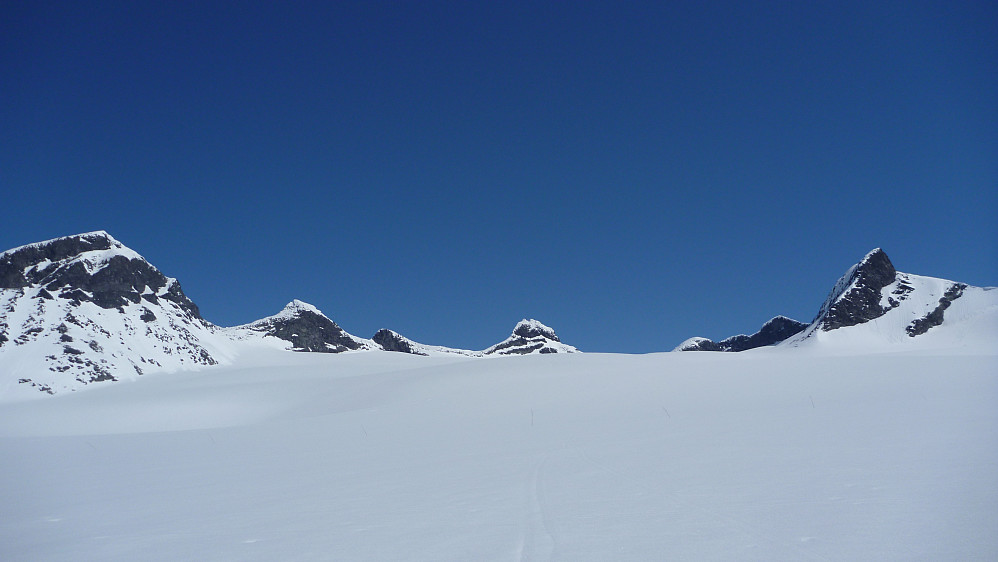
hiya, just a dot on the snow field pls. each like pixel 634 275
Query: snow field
pixel 779 454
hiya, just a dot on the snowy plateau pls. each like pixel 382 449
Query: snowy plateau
pixel 133 429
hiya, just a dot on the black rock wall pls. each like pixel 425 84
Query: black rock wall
pixel 861 303
pixel 390 341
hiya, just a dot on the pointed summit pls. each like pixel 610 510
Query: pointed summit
pixel 856 297
pixel 307 329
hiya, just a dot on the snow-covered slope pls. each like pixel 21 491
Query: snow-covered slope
pixel 765 455
pixel 873 306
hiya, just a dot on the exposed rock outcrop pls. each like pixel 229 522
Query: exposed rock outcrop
pixel 307 329
pixel 772 332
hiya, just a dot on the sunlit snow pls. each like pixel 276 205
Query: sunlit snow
pixel 771 454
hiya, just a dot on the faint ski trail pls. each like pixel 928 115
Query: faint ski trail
pixel 537 541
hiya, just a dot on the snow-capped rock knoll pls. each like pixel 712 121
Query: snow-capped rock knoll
pixel 873 304
pixel 530 336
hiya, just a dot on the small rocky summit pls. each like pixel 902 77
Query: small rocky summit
pixel 530 336
pixel 394 341
pixel 308 329
pixel 771 333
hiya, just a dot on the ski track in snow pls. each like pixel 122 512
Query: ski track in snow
pixel 538 541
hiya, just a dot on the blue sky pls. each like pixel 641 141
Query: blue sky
pixel 631 175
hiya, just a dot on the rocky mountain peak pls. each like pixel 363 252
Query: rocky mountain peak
pixel 533 329
pixel 92 267
pixel 297 308
pixel 307 328
pixel 856 297
pixel 876 267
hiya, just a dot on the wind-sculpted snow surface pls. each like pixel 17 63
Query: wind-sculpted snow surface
pixel 771 454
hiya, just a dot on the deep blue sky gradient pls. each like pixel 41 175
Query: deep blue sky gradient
pixel 631 175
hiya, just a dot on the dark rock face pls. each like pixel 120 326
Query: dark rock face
pixel 120 282
pixel 935 318
pixel 309 331
pixel 391 341
pixel 860 300
pixel 13 264
pixel 771 333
